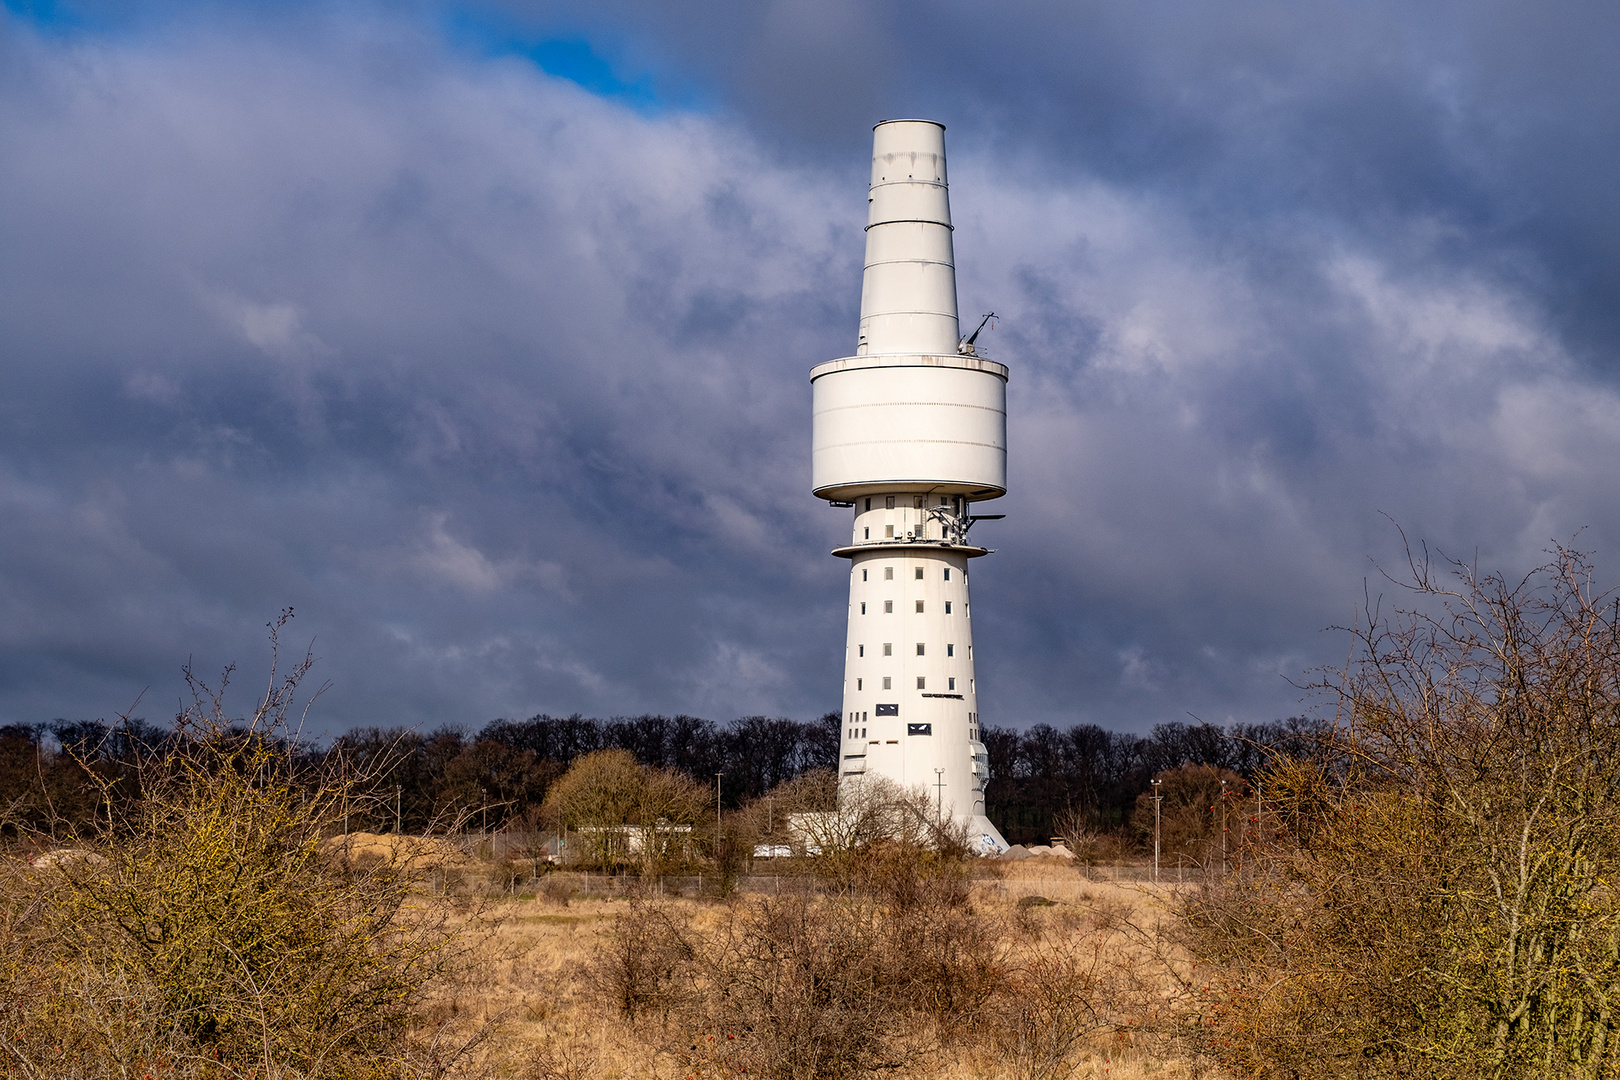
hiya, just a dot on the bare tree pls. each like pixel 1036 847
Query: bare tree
pixel 624 813
pixel 1435 896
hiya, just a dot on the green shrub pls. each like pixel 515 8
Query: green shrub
pixel 212 929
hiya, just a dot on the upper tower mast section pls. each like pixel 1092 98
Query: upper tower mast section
pixel 914 410
pixel 908 292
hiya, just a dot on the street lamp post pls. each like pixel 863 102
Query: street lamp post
pixel 1158 797
pixel 939 794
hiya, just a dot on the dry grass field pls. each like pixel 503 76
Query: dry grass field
pixel 533 954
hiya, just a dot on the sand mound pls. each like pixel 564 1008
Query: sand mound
pixel 422 852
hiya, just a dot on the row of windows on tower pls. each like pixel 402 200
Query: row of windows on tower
pixel 860 718
pixel 916 502
pixel 922 650
pixel 917 572
pixel 922 683
pixel 888 607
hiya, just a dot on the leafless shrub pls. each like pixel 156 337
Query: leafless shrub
pixel 212 935
pixel 560 1058
pixel 557 889
pixel 791 990
pixel 646 963
pixel 1434 896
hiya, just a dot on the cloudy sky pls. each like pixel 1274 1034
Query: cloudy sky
pixel 478 333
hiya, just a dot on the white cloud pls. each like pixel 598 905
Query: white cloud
pixel 581 337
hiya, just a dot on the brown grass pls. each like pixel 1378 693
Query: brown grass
pixel 531 978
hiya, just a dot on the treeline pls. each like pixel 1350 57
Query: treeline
pixel 1043 775
pixel 61 775
pixel 501 775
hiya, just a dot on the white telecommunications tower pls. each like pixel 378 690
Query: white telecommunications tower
pixel 911 431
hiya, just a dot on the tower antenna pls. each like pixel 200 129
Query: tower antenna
pixel 966 344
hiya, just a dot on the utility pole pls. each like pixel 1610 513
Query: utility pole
pixel 939 794
pixel 399 805
pixel 716 817
pixel 1223 828
pixel 1158 797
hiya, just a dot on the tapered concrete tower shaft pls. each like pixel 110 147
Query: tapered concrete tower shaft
pixel 910 431
pixel 908 293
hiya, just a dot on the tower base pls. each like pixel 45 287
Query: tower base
pixel 983 837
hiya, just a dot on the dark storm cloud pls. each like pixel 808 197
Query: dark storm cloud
pixel 501 382
pixel 1489 120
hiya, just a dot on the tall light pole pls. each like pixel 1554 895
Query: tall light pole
pixel 939 794
pixel 1158 797
pixel 1223 828
pixel 717 816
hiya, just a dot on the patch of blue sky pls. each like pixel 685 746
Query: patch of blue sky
pixel 569 54
pixel 47 16
pixel 576 58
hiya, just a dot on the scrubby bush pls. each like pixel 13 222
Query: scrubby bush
pixel 890 961
pixel 1436 894
pixel 210 931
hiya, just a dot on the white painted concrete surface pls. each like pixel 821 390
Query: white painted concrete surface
pixel 912 430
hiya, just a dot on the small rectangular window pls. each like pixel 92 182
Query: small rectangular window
pixel 860 650
pixel 950 650
pixel 922 683
pixel 947 573
pixel 919 607
pixel 888 502
pixel 869 504
pixel 947 607
pixel 857 684
pixel 888 573
pixel 868 535
pixel 863 575
pixel 950 684
pixel 916 502
pixel 888 684
pixel 970 686
pixel 920 649
pixel 888 607
pixel 888 648
pixel 888 532
pixel 863 608
pixel 970 652
pixel 919 573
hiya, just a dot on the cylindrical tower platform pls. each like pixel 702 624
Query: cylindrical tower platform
pixel 911 431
